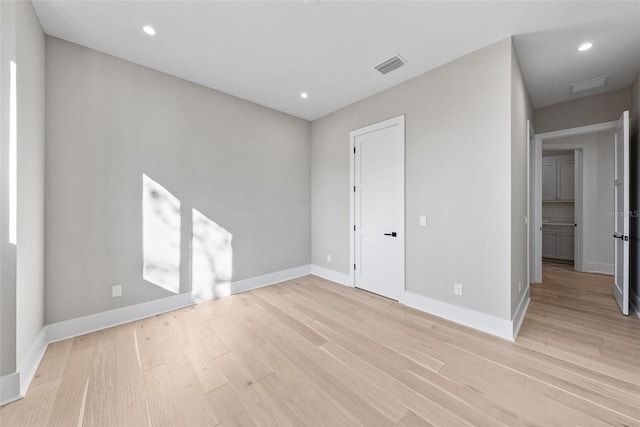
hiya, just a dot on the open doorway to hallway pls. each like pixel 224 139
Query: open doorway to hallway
pixel 585 197
pixel 558 199
pixel 572 190
pixel 575 188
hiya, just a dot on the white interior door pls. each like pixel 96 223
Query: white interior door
pixel 379 208
pixel 621 212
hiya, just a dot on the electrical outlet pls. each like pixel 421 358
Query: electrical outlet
pixel 116 291
pixel 328 258
pixel 423 221
pixel 457 289
pixel 520 286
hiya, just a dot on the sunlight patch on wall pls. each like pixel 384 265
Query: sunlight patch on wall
pixel 160 236
pixel 211 259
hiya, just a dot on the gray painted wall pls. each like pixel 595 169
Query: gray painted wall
pixel 30 59
pixel 108 122
pixel 521 111
pixel 584 111
pixel 458 174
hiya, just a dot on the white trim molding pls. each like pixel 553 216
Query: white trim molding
pixel 599 267
pixel 503 328
pixel 106 319
pixel 14 386
pixel 332 275
pixel 521 311
pixel 493 325
pixel 580 130
pixel 29 364
pixel 10 388
pixel 269 279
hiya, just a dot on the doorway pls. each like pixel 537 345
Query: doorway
pixel 377 208
pixel 583 142
pixel 560 186
pixel 594 208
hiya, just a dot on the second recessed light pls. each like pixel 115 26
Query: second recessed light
pixel 304 95
pixel 585 46
pixel 149 30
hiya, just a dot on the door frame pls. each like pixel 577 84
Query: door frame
pixel 394 121
pixel 540 141
pixel 532 259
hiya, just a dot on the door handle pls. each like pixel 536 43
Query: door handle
pixel 621 237
pixel 394 234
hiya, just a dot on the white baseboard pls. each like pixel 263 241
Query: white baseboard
pixel 634 302
pixel 10 388
pixel 15 386
pixel 269 279
pixel 599 267
pixel 106 319
pixel 332 275
pixel 31 360
pixel 502 328
pixel 518 316
pixel 493 325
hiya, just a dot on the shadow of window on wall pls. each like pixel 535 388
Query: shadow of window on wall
pixel 211 259
pixel 160 236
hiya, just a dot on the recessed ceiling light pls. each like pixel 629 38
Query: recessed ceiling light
pixel 304 95
pixel 585 46
pixel 149 30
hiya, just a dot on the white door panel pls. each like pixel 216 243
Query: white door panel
pixel 375 200
pixel 621 208
pixel 374 156
pixel 379 208
pixel 375 270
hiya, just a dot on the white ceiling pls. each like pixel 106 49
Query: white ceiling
pixel 268 52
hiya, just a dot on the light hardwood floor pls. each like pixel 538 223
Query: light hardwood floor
pixel 310 352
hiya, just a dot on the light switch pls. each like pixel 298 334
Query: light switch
pixel 423 221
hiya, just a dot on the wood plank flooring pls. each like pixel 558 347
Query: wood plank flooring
pixel 308 352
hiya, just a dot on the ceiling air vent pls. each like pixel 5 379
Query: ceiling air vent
pixel 391 64
pixel 590 84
